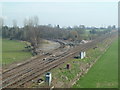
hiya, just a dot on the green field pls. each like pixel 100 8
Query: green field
pixel 104 74
pixel 12 51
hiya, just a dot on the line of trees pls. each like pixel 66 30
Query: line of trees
pixel 34 33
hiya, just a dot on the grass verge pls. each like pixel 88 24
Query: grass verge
pixel 104 74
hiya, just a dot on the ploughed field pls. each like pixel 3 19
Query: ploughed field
pixel 13 51
pixel 104 74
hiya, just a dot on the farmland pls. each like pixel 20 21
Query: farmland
pixel 104 74
pixel 13 51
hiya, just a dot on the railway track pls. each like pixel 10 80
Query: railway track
pixel 11 67
pixel 13 73
pixel 28 63
pixel 40 67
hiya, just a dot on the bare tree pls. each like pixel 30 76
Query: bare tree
pixel 25 22
pixel 14 23
pixel 32 32
pixel 1 25
pixel 1 21
pixel 36 20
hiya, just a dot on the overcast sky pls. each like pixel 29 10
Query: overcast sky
pixel 62 13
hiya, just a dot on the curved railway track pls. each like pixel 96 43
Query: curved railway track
pixel 20 75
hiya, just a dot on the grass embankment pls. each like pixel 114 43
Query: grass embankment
pixel 12 51
pixel 104 74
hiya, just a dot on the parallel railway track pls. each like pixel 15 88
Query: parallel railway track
pixel 23 69
pixel 39 67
